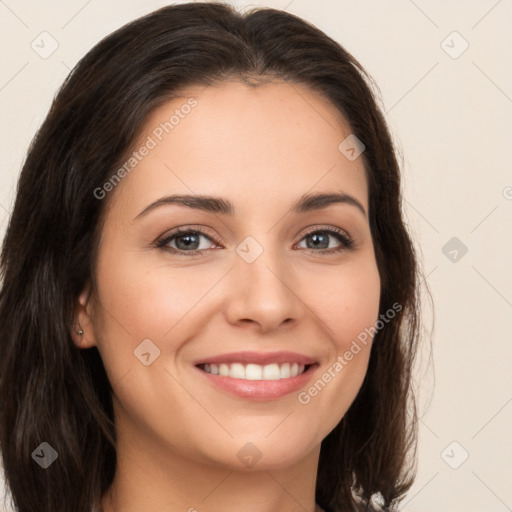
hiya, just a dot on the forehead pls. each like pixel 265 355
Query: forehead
pixel 257 145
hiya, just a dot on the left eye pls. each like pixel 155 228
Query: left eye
pixel 320 240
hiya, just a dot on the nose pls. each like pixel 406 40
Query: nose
pixel 264 293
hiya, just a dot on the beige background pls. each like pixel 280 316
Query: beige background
pixel 451 114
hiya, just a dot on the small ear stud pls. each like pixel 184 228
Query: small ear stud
pixel 80 332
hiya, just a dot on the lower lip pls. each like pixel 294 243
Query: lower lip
pixel 261 389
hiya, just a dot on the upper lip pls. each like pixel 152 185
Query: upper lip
pixel 261 358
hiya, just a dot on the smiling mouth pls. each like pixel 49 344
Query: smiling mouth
pixel 251 371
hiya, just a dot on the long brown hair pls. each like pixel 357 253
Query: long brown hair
pixel 51 391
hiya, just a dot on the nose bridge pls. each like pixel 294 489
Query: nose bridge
pixel 263 284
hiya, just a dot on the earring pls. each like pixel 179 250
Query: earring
pixel 80 332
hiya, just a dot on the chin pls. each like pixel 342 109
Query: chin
pixel 250 453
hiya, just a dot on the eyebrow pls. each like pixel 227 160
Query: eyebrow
pixel 307 203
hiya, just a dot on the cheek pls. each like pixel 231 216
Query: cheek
pixel 346 300
pixel 140 302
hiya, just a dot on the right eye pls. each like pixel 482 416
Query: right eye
pixel 185 242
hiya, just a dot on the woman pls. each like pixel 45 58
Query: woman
pixel 209 296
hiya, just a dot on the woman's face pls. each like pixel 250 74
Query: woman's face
pixel 259 285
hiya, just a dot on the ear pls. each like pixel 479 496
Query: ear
pixel 83 320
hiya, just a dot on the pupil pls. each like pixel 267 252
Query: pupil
pixel 317 238
pixel 189 239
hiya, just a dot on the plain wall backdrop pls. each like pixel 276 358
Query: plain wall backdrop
pixel 444 72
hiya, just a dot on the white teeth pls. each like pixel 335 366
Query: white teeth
pixel 271 372
pixel 251 371
pixel 285 371
pixel 237 371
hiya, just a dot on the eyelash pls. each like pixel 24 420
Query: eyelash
pixel 347 243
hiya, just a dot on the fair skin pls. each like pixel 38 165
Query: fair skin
pixel 181 439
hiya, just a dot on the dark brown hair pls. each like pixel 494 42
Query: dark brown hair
pixel 51 391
